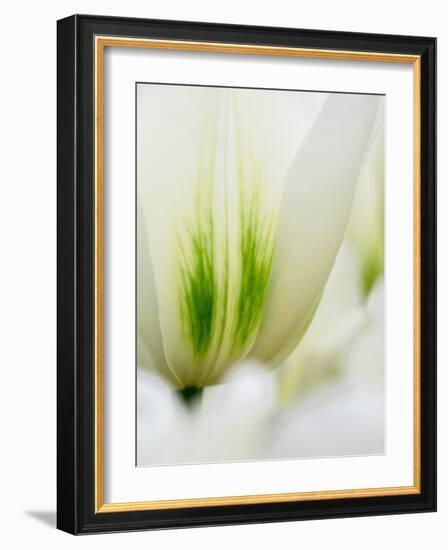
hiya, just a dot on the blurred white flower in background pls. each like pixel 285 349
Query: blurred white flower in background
pixel 230 422
pixel 365 229
pixel 340 314
pixel 342 415
pixel 319 321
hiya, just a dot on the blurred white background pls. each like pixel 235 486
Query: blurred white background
pixel 27 290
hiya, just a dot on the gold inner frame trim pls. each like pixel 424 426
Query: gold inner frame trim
pixel 101 42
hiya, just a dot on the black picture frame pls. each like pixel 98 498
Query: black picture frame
pixel 76 272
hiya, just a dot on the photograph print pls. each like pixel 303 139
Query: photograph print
pixel 259 274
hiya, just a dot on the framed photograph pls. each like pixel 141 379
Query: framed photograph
pixel 246 274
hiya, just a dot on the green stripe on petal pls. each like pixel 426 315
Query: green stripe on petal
pixel 198 288
pixel 256 251
pixel 209 321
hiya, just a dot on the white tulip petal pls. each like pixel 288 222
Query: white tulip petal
pixel 150 353
pixel 315 207
pixel 276 124
pixel 174 126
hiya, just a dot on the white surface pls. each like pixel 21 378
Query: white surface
pixel 27 292
pixel 125 482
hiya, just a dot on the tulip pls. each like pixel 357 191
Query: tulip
pixel 243 199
